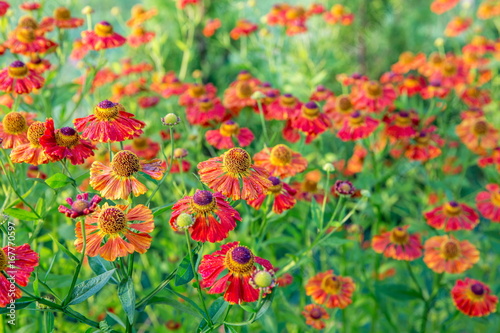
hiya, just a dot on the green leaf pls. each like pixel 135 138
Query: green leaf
pixel 159 210
pixel 399 292
pixel 265 306
pixel 20 304
pixel 40 206
pixel 229 329
pixel 174 302
pixel 90 287
pixel 21 214
pixel 248 308
pixel 126 294
pixel 188 300
pixel 215 311
pixel 185 272
pixel 316 213
pixel 64 249
pixel 48 319
pixel 100 266
pixel 59 180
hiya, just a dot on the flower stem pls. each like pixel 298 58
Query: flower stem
pixel 160 287
pixel 78 267
pixel 263 121
pixel 325 198
pixel 169 167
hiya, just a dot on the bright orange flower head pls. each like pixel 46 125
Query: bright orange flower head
pixel 24 40
pixel 338 109
pixel 109 123
pixel 441 6
pixel 357 126
pixel 243 28
pixel 62 19
pixel 140 36
pixel 234 175
pixel 228 131
pixel 284 107
pixel 211 27
pixel 118 181
pixel 31 152
pixel 314 315
pixel 239 94
pixel 140 15
pixel 14 128
pixel 38 64
pixel 281 161
pixel 452 216
pixel 213 216
pixel 424 146
pixel 488 202
pixel 477 134
pixel 102 37
pixel 374 96
pixel 398 244
pixel 408 61
pixel 448 254
pixel 330 290
pixel 339 14
pixel 488 9
pixel 473 298
pixel 457 26
pixel 205 112
pixel 19 79
pixel 106 227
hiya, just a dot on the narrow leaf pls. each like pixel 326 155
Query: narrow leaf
pixel 58 180
pixel 215 311
pixel 100 266
pixel 21 214
pixel 126 294
pixel 90 287
pixel 185 272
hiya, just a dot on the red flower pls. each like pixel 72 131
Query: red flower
pixel 211 27
pixel 14 128
pixel 357 127
pixel 109 123
pixel 239 94
pixel 308 188
pixel 195 91
pixel 375 97
pixel 239 262
pixel 402 125
pixel 243 28
pixel 423 148
pixel 205 112
pixel 79 50
pixel 17 262
pixel 398 244
pixel 314 315
pixel 139 36
pixel 452 216
pixel 338 14
pixel 62 19
pixel 488 202
pixel 81 206
pixel 234 175
pixel 333 291
pixel 284 107
pixel 408 61
pixel 311 121
pixel 223 137
pixel 338 109
pixel 4 6
pixel 447 254
pixel 473 298
pixel 213 216
pixel 19 79
pixel 24 40
pixel 281 161
pixel 321 94
pixel 31 152
pixel 281 193
pixel 39 65
pixel 457 26
pixel 103 37
pixel 441 6
pixel 140 15
pixel 144 148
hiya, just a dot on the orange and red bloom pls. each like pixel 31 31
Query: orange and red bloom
pixel 488 202
pixel 448 254
pixel 281 193
pixel 330 290
pixel 65 143
pixel 398 244
pixel 213 216
pixel 240 263
pixel 118 181
pixel 62 19
pixel 223 137
pixel 109 224
pixel 14 127
pixel 234 175
pixel 452 216
pixel 19 79
pixel 314 315
pixel 109 123
pixel 31 152
pixel 280 161
pixel 17 262
pixel 473 298
pixel 81 206
pixel 311 121
pixel 357 126
pixel 102 37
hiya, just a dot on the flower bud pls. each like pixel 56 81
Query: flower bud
pixel 258 95
pixel 171 119
pixel 115 11
pixel 87 10
pixel 184 221
pixel 328 167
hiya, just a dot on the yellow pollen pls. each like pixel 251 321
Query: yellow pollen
pixel 450 250
pixel 280 155
pixel 17 72
pixel 344 104
pixel 337 10
pixel 138 31
pixel 480 127
pixel 275 189
pixel 402 121
pixel 331 285
pixel 67 140
pixel 238 268
pixel 35 132
pixel 450 210
pixel 237 161
pixel 206 106
pixel 373 89
pixel 3 260
pixel 399 236
pixel 229 129
pixel 25 35
pixel 103 30
pixel 196 91
pixel 27 22
pixel 140 143
pixel 62 13
pixel 125 163
pixel 107 114
pixel 244 90
pixel 406 57
pixel 112 220
pixel 14 123
pixel 495 198
pixel 203 209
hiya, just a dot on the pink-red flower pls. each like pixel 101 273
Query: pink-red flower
pixel 473 298
pixel 398 244
pixel 452 216
pixel 19 79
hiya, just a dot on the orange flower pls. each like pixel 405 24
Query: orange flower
pixel 140 15
pixel 423 147
pixel 19 79
pixel 357 126
pixel 110 224
pixel 338 109
pixel 243 28
pixel 308 188
pixel 398 244
pixel 447 254
pixel 488 202
pixel 488 9
pixel 38 65
pixel 284 107
pixel 4 6
pixel 452 216
pixel 102 37
pixel 281 161
pixel 408 61
pixel 311 121
pixel 314 315
pixel 62 19
pixel 24 40
pixel 239 94
pixel 281 194
pixel 441 6
pixel 234 175
pixel 118 180
pixel 473 298
pixel 14 127
pixel 338 14
pixel 456 26
pixel 211 27
pixel 333 291
pixel 477 134
pixel 31 152
pixel 144 147
pixel 140 36
pixel 223 137
pixel 374 96
pixel 195 92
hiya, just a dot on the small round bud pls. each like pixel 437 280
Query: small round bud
pixel 197 74
pixel 328 167
pixel 170 119
pixel 180 153
pixel 366 193
pixel 258 95
pixel 344 188
pixel 87 10
pixel 115 11
pixel 184 221
pixel 439 42
pixel 264 32
pixel 263 280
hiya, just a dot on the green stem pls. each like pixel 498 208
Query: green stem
pixel 414 279
pixel 193 264
pixel 325 198
pixel 263 121
pixel 160 287
pixel 169 166
pixel 78 267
